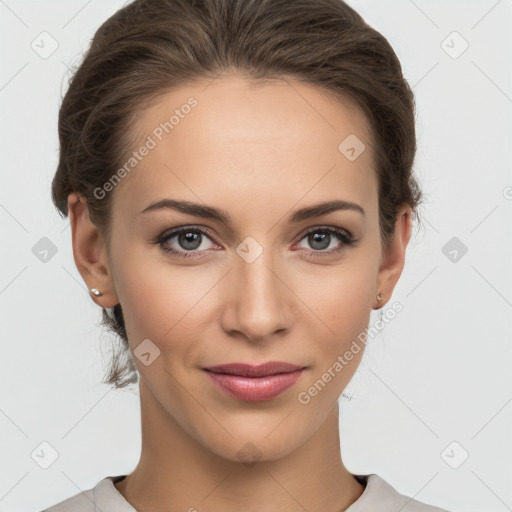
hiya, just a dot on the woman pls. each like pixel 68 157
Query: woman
pixel 238 178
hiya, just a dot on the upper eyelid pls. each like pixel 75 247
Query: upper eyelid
pixel 171 233
pixel 328 228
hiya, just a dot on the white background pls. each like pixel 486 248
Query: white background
pixel 438 373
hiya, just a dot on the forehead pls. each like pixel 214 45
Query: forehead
pixel 268 142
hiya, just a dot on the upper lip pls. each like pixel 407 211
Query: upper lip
pixel 248 370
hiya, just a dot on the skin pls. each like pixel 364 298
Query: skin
pixel 259 153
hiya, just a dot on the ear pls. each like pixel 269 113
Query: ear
pixel 90 252
pixel 393 260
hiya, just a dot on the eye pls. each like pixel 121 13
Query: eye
pixel 189 241
pixel 321 238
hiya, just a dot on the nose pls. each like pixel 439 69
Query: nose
pixel 257 304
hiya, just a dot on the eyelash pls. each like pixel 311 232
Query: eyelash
pixel 342 235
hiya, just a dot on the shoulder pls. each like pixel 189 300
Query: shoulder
pixel 82 502
pixel 382 497
pixel 103 496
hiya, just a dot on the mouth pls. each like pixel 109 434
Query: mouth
pixel 254 383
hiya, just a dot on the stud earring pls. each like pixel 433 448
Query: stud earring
pixel 95 292
pixel 379 297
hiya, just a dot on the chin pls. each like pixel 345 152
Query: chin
pixel 252 445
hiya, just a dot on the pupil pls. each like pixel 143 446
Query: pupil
pixel 320 238
pixel 189 238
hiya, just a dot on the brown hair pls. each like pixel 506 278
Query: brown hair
pixel 151 46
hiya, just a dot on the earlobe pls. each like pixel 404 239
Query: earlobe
pixel 393 260
pixel 90 252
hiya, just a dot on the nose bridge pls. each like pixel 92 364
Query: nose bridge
pixel 258 299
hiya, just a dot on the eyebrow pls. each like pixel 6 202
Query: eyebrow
pixel 208 212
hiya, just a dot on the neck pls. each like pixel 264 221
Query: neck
pixel 177 472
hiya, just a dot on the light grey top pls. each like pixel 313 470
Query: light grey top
pixel 378 496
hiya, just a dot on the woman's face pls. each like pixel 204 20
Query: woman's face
pixel 263 286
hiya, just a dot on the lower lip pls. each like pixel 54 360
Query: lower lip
pixel 255 388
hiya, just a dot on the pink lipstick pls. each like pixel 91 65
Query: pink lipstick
pixel 254 383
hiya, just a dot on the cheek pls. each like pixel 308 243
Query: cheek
pixel 341 299
pixel 160 301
